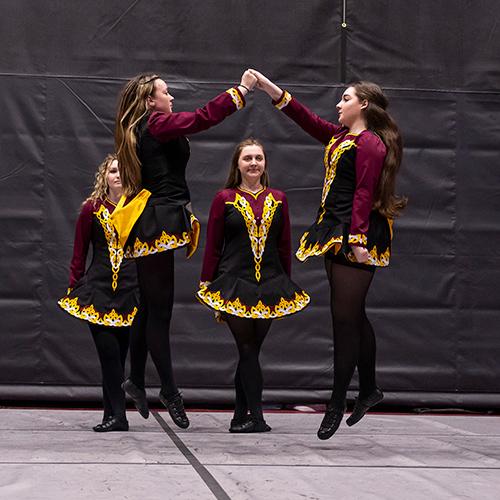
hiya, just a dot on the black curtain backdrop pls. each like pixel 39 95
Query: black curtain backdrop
pixel 436 309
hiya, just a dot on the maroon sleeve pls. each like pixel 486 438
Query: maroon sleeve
pixel 83 233
pixel 215 238
pixel 317 127
pixel 285 242
pixel 165 127
pixel 370 155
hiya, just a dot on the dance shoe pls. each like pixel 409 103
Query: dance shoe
pixel 138 397
pixel 113 424
pixel 236 423
pixel 175 406
pixel 97 427
pixel 362 405
pixel 331 421
pixel 249 426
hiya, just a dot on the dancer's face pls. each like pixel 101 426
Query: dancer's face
pixel 251 163
pixel 113 179
pixel 350 108
pixel 160 100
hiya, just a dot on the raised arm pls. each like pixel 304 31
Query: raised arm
pixel 316 127
pixel 167 126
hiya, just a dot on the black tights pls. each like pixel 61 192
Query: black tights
pixel 353 336
pixel 249 335
pixel 112 346
pixel 151 327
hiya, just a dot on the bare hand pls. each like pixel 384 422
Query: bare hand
pixel 263 83
pixel 248 80
pixel 360 253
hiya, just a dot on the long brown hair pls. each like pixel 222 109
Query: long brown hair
pixel 101 188
pixel 381 122
pixel 234 177
pixel 131 109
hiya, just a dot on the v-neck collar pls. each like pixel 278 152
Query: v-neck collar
pixel 253 195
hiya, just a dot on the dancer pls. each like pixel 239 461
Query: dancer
pixel 106 295
pixel 353 227
pixel 153 153
pixel 246 271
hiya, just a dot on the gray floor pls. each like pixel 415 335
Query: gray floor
pixel 52 454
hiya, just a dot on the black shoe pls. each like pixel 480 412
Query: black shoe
pixel 236 423
pixel 362 405
pixel 331 421
pixel 250 426
pixel 138 397
pixel 113 424
pixel 97 427
pixel 175 406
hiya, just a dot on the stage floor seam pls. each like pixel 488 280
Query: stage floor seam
pixel 53 454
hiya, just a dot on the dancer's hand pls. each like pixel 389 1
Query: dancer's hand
pixel 263 83
pixel 248 81
pixel 360 253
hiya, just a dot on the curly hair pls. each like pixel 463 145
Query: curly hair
pixel 101 188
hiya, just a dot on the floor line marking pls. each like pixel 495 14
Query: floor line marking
pixel 200 469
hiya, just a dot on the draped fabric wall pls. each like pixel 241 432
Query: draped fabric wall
pixel 436 310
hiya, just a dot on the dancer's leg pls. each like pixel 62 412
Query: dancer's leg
pixel 156 282
pixel 108 349
pixel 349 286
pixel 249 336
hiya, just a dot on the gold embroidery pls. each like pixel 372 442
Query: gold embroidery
pixel 331 169
pixel 284 101
pixel 167 242
pixel 236 97
pixel 260 311
pixel 88 313
pixel 161 244
pixel 306 250
pixel 357 238
pixel 114 248
pixel 374 259
pixel 257 233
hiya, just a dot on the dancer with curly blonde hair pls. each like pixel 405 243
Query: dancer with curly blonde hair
pixel 105 295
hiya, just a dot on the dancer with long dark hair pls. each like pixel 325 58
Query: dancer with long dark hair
pixel 353 227
pixel 105 295
pixel 156 219
pixel 246 271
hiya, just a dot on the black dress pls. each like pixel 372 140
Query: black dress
pixel 166 222
pixel 107 293
pixel 345 217
pixel 246 268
